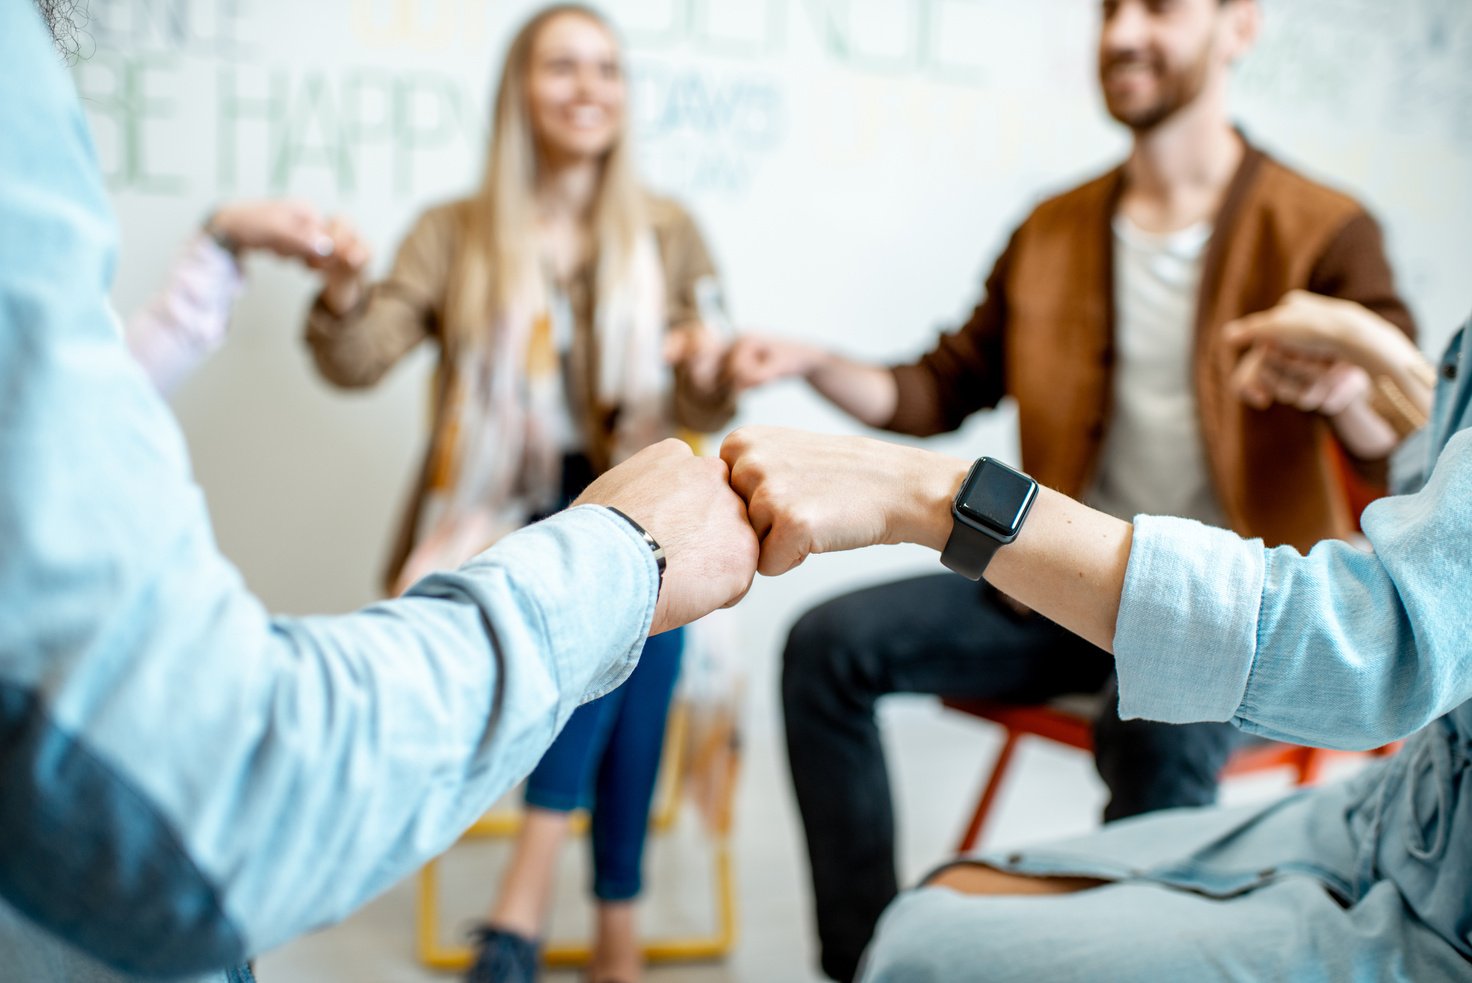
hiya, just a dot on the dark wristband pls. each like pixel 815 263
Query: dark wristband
pixel 659 558
pixel 222 239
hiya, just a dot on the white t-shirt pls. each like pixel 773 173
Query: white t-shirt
pixel 1153 461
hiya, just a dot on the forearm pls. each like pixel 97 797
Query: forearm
pixel 865 392
pixel 357 348
pixel 1068 562
pixel 187 320
pixel 1364 432
pixel 1207 627
pixel 304 765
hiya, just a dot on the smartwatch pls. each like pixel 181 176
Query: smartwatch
pixel 986 515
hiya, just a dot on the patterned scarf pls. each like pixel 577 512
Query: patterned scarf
pixel 502 455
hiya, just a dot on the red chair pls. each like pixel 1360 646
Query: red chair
pixel 1075 729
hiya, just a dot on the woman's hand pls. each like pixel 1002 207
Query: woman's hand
pixel 342 268
pixel 698 350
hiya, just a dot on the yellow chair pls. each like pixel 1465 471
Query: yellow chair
pixel 679 759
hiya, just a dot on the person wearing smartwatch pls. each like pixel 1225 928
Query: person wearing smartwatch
pixel 1102 321
pixel 1365 879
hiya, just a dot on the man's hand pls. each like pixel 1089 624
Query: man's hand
pixel 808 493
pixel 687 505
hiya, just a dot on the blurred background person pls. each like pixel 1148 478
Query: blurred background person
pixel 1103 320
pixel 558 294
pixel 187 320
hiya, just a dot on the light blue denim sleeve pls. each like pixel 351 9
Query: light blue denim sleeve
pixel 1340 648
pixel 187 780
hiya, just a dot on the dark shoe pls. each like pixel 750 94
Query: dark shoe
pixel 503 957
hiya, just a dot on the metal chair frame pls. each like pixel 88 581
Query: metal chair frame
pixel 1077 731
pixel 435 954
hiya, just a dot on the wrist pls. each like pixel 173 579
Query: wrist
pixel 814 361
pixel 649 541
pixel 932 481
pixel 218 228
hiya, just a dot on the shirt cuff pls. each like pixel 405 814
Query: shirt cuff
pixel 595 583
pixel 1186 637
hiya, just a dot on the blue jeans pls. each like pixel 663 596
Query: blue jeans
pixel 607 759
pixel 947 636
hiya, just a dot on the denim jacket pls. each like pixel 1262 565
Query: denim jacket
pixel 185 780
pixel 1339 648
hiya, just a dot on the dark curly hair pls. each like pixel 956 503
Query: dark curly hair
pixel 65 18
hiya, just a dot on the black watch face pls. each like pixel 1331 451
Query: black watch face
pixel 996 496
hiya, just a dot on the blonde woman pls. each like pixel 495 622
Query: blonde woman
pixel 562 296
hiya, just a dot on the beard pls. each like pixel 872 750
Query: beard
pixel 1177 88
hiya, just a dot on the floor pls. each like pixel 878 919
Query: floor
pixel 937 757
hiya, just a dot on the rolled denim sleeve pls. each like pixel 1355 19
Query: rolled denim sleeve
pixel 1341 647
pixel 1187 628
pixel 187 780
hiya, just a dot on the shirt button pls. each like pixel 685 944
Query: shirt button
pixel 1449 371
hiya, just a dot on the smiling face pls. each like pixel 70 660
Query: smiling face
pixel 1157 57
pixel 575 89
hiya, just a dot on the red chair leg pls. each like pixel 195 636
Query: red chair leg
pixel 974 828
pixel 1310 766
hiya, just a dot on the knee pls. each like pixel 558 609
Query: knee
pixel 916 942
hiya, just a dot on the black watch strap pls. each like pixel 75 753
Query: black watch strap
pixel 659 558
pixel 987 514
pixel 968 551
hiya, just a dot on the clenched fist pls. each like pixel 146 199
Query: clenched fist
pixel 810 493
pixel 687 505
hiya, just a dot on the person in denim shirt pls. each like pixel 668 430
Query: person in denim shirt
pixel 186 781
pixel 1369 879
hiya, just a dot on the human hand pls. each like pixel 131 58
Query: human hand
pixel 687 505
pixel 755 360
pixel 1271 373
pixel 810 493
pixel 1309 351
pixel 699 350
pixel 342 270
pixel 1328 327
pixel 290 229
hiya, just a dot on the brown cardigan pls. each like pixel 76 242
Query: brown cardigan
pixel 410 305
pixel 1044 334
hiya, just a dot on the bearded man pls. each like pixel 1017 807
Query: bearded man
pixel 1102 320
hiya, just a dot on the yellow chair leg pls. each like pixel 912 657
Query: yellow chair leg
pixel 505 823
pixel 563 954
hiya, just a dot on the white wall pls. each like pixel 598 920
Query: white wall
pixel 856 164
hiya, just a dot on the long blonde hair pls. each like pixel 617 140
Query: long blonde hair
pixel 498 267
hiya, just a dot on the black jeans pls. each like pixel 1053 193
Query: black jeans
pixel 947 636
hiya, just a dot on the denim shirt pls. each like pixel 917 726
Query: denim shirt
pixel 185 780
pixel 1339 648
